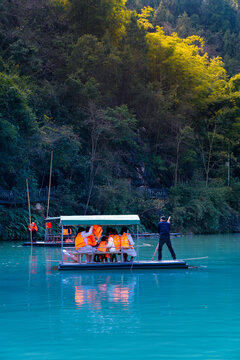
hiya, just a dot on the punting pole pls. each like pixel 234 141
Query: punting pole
pixel 29 211
pixel 155 251
pixel 49 190
pixel 197 258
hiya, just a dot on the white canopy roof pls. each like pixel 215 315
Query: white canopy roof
pixel 99 220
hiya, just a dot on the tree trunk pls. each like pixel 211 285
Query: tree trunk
pixel 94 143
pixel 177 160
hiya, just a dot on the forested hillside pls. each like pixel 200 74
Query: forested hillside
pixel 129 98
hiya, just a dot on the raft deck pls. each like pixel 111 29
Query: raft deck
pixel 166 264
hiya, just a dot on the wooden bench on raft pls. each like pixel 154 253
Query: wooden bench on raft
pixel 78 257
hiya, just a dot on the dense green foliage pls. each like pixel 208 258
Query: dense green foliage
pixel 128 98
pixel 204 210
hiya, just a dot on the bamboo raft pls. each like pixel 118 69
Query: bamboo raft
pixel 146 265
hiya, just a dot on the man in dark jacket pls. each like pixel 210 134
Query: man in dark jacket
pixel 164 237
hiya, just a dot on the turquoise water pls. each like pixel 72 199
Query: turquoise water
pixel 164 314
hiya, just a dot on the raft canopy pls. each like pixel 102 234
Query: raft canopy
pixel 97 220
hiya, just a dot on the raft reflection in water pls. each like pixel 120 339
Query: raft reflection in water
pixel 91 291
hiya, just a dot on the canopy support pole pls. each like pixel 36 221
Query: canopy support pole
pixel 137 245
pixel 62 242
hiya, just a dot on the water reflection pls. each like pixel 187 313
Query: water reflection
pixel 101 302
pixel 105 302
pixel 32 264
pixel 48 265
pixel 94 290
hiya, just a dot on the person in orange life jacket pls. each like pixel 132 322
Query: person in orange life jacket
pixel 48 230
pixel 108 234
pixel 113 243
pixel 128 243
pixel 102 246
pixel 91 240
pixel 49 226
pixel 164 237
pixel 81 243
pixel 116 240
pixel 33 228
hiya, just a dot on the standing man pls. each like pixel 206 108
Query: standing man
pixel 33 228
pixel 164 237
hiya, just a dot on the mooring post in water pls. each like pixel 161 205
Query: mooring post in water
pixel 29 211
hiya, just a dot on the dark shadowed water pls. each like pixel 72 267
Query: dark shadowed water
pixel 163 314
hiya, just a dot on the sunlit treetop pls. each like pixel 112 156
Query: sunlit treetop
pixel 143 18
pixel 185 64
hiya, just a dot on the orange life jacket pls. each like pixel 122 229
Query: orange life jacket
pixel 116 241
pixel 124 240
pixel 33 227
pixel 79 241
pixel 102 246
pixel 48 225
pixel 91 240
pixel 97 230
pixel 67 231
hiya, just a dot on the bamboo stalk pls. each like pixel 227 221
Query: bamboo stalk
pixel 49 190
pixel 29 211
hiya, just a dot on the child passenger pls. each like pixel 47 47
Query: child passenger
pixel 102 247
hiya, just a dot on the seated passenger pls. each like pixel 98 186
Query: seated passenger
pixel 127 244
pixel 82 243
pixel 92 241
pixel 113 243
pixel 102 246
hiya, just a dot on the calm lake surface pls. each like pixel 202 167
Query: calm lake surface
pixel 163 314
